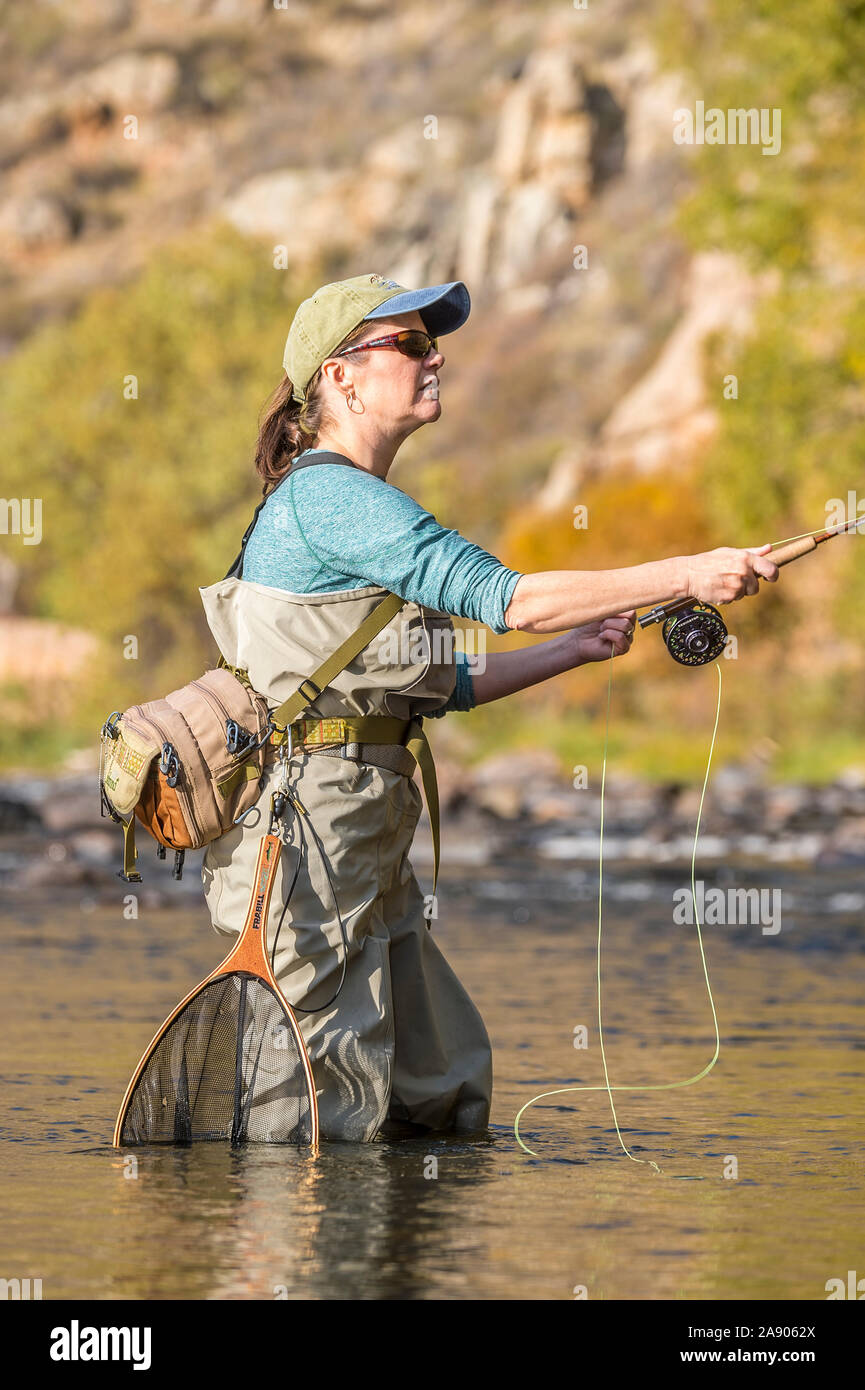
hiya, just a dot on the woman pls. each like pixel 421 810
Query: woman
pixel 401 1045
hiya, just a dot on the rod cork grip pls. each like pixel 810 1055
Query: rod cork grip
pixel 792 550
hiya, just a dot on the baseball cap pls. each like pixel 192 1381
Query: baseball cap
pixel 328 316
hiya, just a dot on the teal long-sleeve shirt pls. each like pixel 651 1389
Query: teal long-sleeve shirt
pixel 332 527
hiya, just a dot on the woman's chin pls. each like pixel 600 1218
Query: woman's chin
pixel 430 407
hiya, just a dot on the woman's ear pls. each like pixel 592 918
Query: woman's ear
pixel 338 373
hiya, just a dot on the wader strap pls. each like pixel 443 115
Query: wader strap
pixel 130 853
pixel 418 744
pixel 309 690
pixel 236 571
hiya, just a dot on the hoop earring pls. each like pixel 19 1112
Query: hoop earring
pixel 349 399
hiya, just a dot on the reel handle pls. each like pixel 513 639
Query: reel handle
pixel 663 611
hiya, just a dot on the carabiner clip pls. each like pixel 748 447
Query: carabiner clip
pixel 109 729
pixel 252 745
pixel 283 754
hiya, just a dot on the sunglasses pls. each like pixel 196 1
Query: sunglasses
pixel 411 342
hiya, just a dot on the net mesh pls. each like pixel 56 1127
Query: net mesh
pixel 227 1067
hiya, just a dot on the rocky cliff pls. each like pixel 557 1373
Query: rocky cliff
pixel 480 142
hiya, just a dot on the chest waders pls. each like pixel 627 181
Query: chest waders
pixel 401 1040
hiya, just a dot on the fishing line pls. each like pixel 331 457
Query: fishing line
pixel 821 530
pixel 657 1086
pixel 704 652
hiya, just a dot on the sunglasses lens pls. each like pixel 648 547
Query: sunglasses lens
pixel 417 344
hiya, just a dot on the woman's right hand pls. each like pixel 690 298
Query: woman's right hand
pixel 727 574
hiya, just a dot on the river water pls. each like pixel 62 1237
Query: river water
pixel 760 1193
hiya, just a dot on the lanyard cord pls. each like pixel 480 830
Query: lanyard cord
pixel 301 845
pixel 658 1086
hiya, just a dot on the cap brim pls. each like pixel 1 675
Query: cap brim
pixel 443 308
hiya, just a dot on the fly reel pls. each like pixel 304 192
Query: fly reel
pixel 695 636
pixel 694 633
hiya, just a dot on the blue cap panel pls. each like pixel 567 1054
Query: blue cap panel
pixel 443 308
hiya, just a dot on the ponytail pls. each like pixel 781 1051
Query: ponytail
pixel 287 428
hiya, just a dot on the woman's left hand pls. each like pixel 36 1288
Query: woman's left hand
pixel 593 640
pixel 503 673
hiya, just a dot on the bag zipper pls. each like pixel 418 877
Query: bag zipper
pixel 213 699
pixel 161 734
